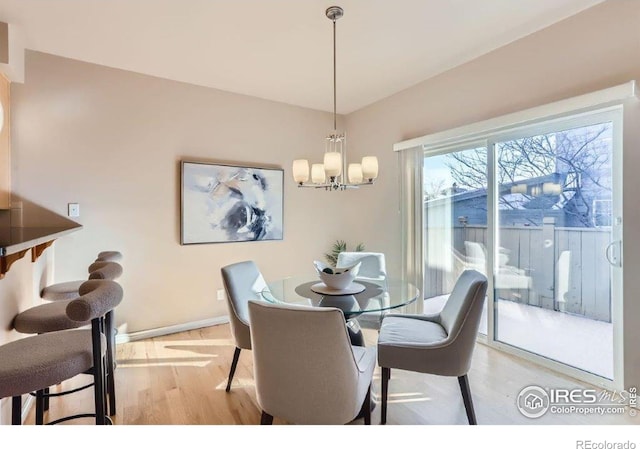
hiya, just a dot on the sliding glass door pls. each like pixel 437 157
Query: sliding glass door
pixel 556 243
pixel 537 209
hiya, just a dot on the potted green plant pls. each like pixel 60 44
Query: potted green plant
pixel 338 247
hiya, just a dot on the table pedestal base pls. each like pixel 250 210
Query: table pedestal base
pixel 357 339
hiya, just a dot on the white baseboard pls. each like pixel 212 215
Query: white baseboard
pixel 26 407
pixel 160 331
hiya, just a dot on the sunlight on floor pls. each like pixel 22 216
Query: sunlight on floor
pixel 205 342
pixel 237 383
pixel 400 395
pixel 170 352
pixel 191 361
pixel 406 401
pixel 405 398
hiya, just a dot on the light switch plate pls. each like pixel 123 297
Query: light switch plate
pixel 74 209
pixel 221 295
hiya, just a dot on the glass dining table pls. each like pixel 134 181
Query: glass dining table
pixel 376 297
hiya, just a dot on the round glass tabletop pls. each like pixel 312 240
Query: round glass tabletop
pixel 375 296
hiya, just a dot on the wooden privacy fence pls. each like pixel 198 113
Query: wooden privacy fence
pixel 557 268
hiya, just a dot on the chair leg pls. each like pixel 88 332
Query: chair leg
pixel 39 407
pixel 466 397
pixel 111 383
pixel 98 373
pixel 16 410
pixel 105 398
pixel 366 408
pixel 46 399
pixel 266 419
pixel 236 356
pixel 386 375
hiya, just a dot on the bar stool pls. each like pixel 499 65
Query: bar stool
pixel 69 290
pixel 63 291
pixel 52 317
pixel 38 362
pixel 108 271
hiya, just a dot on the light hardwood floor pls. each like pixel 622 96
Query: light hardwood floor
pixel 180 379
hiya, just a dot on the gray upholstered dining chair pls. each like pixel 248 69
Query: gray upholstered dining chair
pixel 37 362
pixel 242 282
pixel 373 267
pixel 306 370
pixel 440 344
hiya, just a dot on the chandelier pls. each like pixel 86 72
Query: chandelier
pixel 334 173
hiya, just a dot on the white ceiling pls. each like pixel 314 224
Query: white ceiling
pixel 282 49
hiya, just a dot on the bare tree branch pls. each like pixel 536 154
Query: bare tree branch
pixel 580 159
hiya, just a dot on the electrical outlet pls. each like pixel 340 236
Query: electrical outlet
pixel 221 295
pixel 74 209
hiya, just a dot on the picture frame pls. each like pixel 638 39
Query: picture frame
pixel 223 203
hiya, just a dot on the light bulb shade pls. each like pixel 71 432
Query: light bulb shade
pixel 370 167
pixel 317 174
pixel 333 163
pixel 355 173
pixel 300 170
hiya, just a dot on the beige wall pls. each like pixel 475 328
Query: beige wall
pixel 596 49
pixel 112 140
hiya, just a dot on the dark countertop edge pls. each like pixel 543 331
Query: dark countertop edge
pixel 48 234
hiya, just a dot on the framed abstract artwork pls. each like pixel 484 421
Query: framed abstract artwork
pixel 227 203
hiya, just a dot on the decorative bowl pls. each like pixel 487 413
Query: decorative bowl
pixel 336 278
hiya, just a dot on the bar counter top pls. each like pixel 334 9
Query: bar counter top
pixel 14 240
